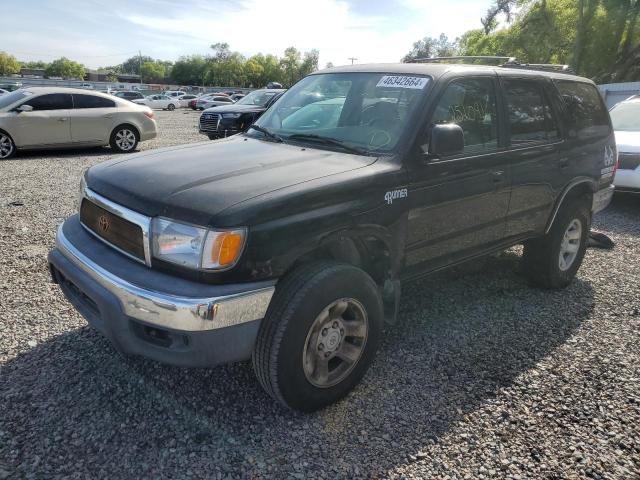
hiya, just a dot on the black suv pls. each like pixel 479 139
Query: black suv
pixel 226 120
pixel 287 244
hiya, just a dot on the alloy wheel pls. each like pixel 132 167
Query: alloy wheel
pixel 6 146
pixel 570 245
pixel 125 139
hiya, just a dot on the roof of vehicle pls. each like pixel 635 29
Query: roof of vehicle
pixel 437 70
pixel 43 90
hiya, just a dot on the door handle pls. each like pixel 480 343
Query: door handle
pixel 63 119
pixel 497 176
pixel 108 116
pixel 563 163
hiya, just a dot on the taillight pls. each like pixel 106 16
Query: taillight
pixel 150 114
pixel 615 165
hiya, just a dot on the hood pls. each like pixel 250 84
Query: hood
pixel 193 183
pixel 628 142
pixel 233 108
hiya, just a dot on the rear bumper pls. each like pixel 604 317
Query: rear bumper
pixel 152 314
pixel 602 199
pixel 148 131
pixel 627 180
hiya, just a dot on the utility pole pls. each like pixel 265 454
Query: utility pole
pixel 353 59
pixel 140 65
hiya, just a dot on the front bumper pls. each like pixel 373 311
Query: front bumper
pixel 153 314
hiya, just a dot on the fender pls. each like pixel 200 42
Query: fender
pixel 573 184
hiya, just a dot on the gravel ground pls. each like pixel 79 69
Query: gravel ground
pixel 484 377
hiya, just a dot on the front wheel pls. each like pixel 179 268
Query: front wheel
pixel 552 261
pixel 7 147
pixel 124 139
pixel 171 107
pixel 320 335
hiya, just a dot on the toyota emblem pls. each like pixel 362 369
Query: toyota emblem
pixel 103 223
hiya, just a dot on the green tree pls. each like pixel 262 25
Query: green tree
pixel 8 64
pixel 190 70
pixel 309 63
pixel 153 71
pixel 290 65
pixel 432 47
pixel 38 64
pixel 112 77
pixel 132 65
pixel 65 68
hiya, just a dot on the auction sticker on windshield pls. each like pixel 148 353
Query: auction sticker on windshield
pixel 402 81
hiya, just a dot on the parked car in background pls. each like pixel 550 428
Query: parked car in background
pixel 3 91
pixel 237 96
pixel 159 102
pixel 625 117
pixel 209 101
pixel 129 95
pixel 54 117
pixel 174 93
pixel 185 99
pixel 226 120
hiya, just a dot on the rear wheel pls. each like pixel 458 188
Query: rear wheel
pixel 552 261
pixel 320 335
pixel 171 107
pixel 124 139
pixel 7 147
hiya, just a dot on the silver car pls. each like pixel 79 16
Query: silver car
pixel 54 117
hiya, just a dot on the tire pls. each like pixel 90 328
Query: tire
pixel 542 262
pixel 213 137
pixel 124 139
pixel 304 313
pixel 171 107
pixel 7 146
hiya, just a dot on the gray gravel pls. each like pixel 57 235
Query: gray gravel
pixel 484 377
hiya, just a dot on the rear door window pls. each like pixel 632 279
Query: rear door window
pixel 471 104
pixel 531 118
pixel 92 101
pixel 52 101
pixel 587 114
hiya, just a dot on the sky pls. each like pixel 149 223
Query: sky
pixel 106 32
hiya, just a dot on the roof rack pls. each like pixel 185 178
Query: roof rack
pixel 463 57
pixel 508 62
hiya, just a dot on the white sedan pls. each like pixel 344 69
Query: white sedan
pixel 185 99
pixel 55 117
pixel 159 101
pixel 625 117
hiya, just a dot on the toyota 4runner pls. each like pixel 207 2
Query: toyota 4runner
pixel 287 244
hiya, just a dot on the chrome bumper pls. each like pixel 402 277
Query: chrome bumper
pixel 602 199
pixel 167 310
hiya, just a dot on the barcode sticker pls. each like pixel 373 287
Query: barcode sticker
pixel 400 81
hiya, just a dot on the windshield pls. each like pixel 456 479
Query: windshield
pixel 367 111
pixel 625 117
pixel 13 97
pixel 257 97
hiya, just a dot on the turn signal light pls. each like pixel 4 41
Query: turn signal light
pixel 227 247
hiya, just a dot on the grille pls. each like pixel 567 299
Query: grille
pixel 117 231
pixel 209 122
pixel 629 161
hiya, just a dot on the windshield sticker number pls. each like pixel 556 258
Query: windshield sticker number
pixel 401 81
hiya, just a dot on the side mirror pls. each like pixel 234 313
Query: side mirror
pixel 446 139
pixel 24 108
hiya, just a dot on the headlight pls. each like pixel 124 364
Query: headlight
pixel 231 115
pixel 196 247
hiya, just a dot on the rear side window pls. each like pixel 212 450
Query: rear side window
pixel 531 118
pixel 52 101
pixel 471 104
pixel 588 116
pixel 92 101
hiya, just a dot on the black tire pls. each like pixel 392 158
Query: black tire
pixel 297 303
pixel 7 146
pixel 213 137
pixel 541 258
pixel 171 107
pixel 132 138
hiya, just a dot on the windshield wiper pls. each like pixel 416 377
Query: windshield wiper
pixel 327 141
pixel 267 133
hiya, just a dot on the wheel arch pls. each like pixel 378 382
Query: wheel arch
pixel 575 188
pixel 125 124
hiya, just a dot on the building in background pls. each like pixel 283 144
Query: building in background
pixel 617 92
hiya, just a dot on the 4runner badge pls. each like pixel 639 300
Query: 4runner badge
pixel 395 194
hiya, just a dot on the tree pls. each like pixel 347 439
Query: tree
pixel 309 63
pixel 132 65
pixel 190 70
pixel 153 71
pixel 38 64
pixel 290 65
pixel 329 65
pixel 65 68
pixel 112 77
pixel 432 47
pixel 8 64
